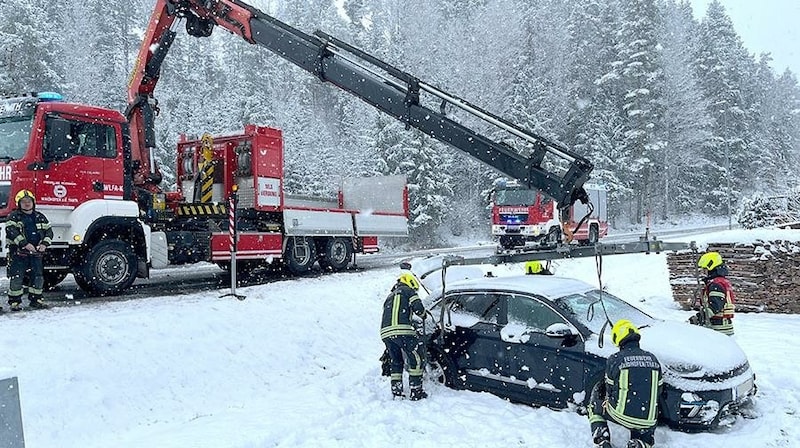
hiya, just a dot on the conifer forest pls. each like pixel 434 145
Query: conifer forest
pixel 676 114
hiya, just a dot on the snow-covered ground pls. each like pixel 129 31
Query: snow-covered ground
pixel 296 365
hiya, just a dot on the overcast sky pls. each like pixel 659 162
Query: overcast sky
pixel 765 26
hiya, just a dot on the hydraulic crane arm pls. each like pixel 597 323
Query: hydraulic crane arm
pixel 550 167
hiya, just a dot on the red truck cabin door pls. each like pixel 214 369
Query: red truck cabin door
pixel 81 161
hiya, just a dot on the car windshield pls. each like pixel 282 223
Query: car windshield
pixel 589 310
pixel 14 136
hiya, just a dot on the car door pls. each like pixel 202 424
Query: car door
pixel 550 368
pixel 474 342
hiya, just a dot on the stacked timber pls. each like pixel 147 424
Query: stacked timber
pixel 765 275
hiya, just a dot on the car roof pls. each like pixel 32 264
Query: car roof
pixel 549 286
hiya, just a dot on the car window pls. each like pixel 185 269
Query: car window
pixel 484 306
pixel 591 312
pixel 532 313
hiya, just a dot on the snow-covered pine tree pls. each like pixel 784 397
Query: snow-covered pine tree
pixel 685 122
pixel 643 83
pixel 720 62
pixel 28 47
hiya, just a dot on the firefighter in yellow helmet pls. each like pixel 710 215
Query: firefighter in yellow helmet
pixel 400 337
pixel 717 298
pixel 629 394
pixel 535 267
pixel 28 234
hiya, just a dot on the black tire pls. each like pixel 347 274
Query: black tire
pixel 337 254
pixel 594 235
pixel 53 278
pixel 108 268
pixel 300 255
pixel 553 237
pixel 439 368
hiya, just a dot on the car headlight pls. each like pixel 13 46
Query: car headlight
pixel 686 370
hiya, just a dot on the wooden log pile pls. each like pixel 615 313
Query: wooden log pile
pixel 765 275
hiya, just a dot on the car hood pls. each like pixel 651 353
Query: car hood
pixel 691 355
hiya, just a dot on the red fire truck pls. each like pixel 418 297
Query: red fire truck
pixel 521 214
pixel 94 174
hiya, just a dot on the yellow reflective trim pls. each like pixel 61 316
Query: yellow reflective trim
pixel 396 309
pixel 654 381
pixel 622 396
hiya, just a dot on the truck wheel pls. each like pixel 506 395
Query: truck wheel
pixel 338 252
pixel 594 235
pixel 53 278
pixel 300 255
pixel 553 237
pixel 108 268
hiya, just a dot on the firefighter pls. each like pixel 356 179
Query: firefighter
pixel 28 234
pixel 535 268
pixel 717 298
pixel 400 337
pixel 629 394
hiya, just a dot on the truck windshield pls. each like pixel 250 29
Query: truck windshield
pixel 515 197
pixel 15 133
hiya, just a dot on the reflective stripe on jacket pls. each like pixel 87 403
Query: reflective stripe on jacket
pixel 397 309
pixel 719 305
pixel 18 234
pixel 633 385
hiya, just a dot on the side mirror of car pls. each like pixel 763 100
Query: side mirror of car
pixel 562 331
pixel 558 331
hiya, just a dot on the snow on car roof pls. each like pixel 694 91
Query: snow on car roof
pixel 549 286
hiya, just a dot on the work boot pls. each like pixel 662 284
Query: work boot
pixel 15 306
pixel 417 394
pixel 397 389
pixel 38 304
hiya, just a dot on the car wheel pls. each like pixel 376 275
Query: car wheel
pixel 442 370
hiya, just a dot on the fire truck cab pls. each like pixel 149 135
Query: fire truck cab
pixel 521 215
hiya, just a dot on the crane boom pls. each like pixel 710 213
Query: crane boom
pixel 550 167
